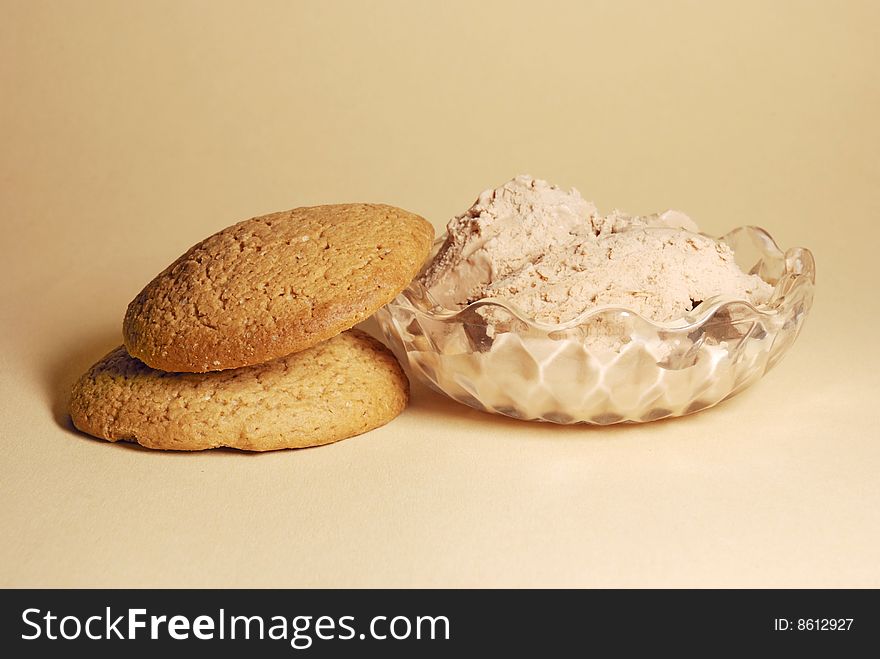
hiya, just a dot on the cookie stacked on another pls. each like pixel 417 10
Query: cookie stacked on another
pixel 245 340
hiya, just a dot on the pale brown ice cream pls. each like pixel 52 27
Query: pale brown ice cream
pixel 553 256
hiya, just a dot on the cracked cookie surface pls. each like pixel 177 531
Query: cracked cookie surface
pixel 339 388
pixel 274 285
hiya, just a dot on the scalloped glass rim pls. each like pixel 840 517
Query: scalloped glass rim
pixel 799 267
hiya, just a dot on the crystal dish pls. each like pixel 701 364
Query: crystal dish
pixel 608 365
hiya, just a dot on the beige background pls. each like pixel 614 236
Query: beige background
pixel 132 130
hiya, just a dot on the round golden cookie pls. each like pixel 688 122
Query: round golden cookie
pixel 274 285
pixel 342 387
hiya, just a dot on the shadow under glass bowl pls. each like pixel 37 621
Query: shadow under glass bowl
pixel 608 365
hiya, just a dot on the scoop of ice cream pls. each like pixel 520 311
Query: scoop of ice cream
pixel 660 273
pixel 505 230
pixel 551 254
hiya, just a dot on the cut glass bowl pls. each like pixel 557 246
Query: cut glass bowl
pixel 609 365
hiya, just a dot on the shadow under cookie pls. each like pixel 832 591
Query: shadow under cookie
pixel 65 365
